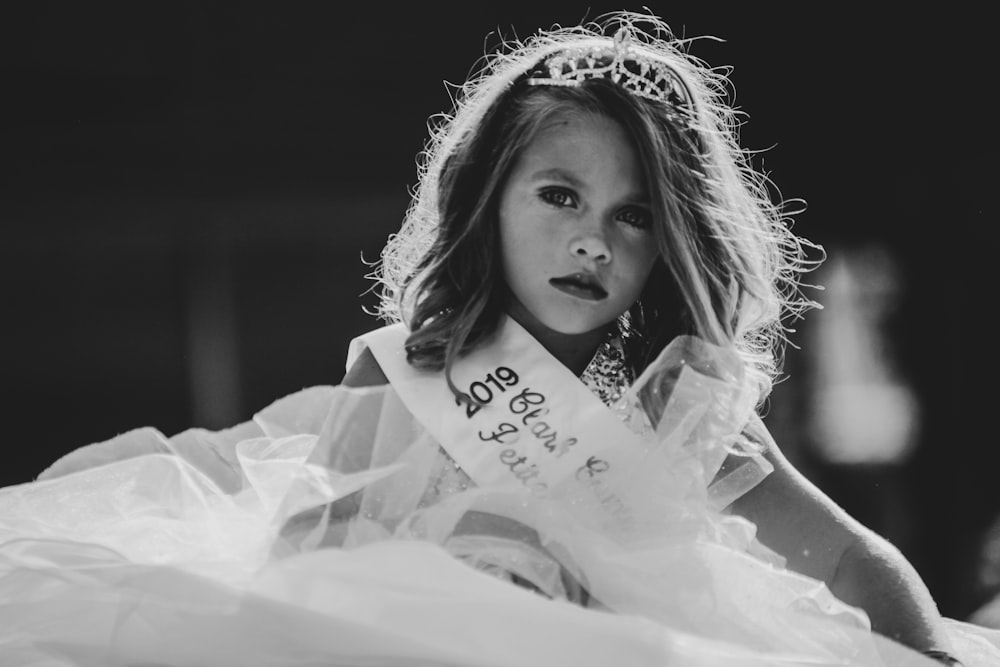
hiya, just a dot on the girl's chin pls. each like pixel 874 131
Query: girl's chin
pixel 555 323
pixel 553 327
pixel 584 329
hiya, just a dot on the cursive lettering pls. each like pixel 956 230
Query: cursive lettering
pixel 532 418
pixel 524 472
pixel 590 474
pixel 504 430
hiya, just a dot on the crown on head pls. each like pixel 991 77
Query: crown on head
pixel 619 62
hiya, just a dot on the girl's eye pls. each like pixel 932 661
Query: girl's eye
pixel 558 197
pixel 636 217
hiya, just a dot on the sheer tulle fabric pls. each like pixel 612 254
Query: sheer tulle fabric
pixel 332 530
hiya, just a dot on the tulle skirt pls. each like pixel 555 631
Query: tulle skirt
pixel 332 531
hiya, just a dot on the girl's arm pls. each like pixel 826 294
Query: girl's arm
pixel 821 540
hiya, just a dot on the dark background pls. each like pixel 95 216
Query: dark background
pixel 189 189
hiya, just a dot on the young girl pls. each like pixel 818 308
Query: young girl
pixel 585 304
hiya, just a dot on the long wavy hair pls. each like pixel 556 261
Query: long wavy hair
pixel 729 265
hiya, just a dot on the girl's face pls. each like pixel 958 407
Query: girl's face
pixel 576 232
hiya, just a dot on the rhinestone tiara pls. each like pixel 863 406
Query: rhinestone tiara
pixel 621 63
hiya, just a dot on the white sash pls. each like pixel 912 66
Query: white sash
pixel 539 427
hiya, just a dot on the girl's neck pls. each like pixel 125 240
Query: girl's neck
pixel 575 351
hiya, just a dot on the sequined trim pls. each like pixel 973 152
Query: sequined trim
pixel 608 375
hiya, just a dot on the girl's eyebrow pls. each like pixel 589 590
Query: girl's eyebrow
pixel 557 174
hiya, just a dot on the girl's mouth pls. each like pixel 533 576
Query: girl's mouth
pixel 581 285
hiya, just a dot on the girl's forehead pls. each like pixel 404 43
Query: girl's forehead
pixel 582 148
pixel 579 126
pixel 575 119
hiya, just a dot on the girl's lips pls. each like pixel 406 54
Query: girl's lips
pixel 581 285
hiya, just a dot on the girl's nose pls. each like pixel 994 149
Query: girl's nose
pixel 592 244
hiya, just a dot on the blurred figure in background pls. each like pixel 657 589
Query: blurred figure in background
pixel 861 418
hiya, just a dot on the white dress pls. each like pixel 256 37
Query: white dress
pixel 332 529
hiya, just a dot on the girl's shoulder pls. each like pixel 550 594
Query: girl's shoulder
pixel 365 372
